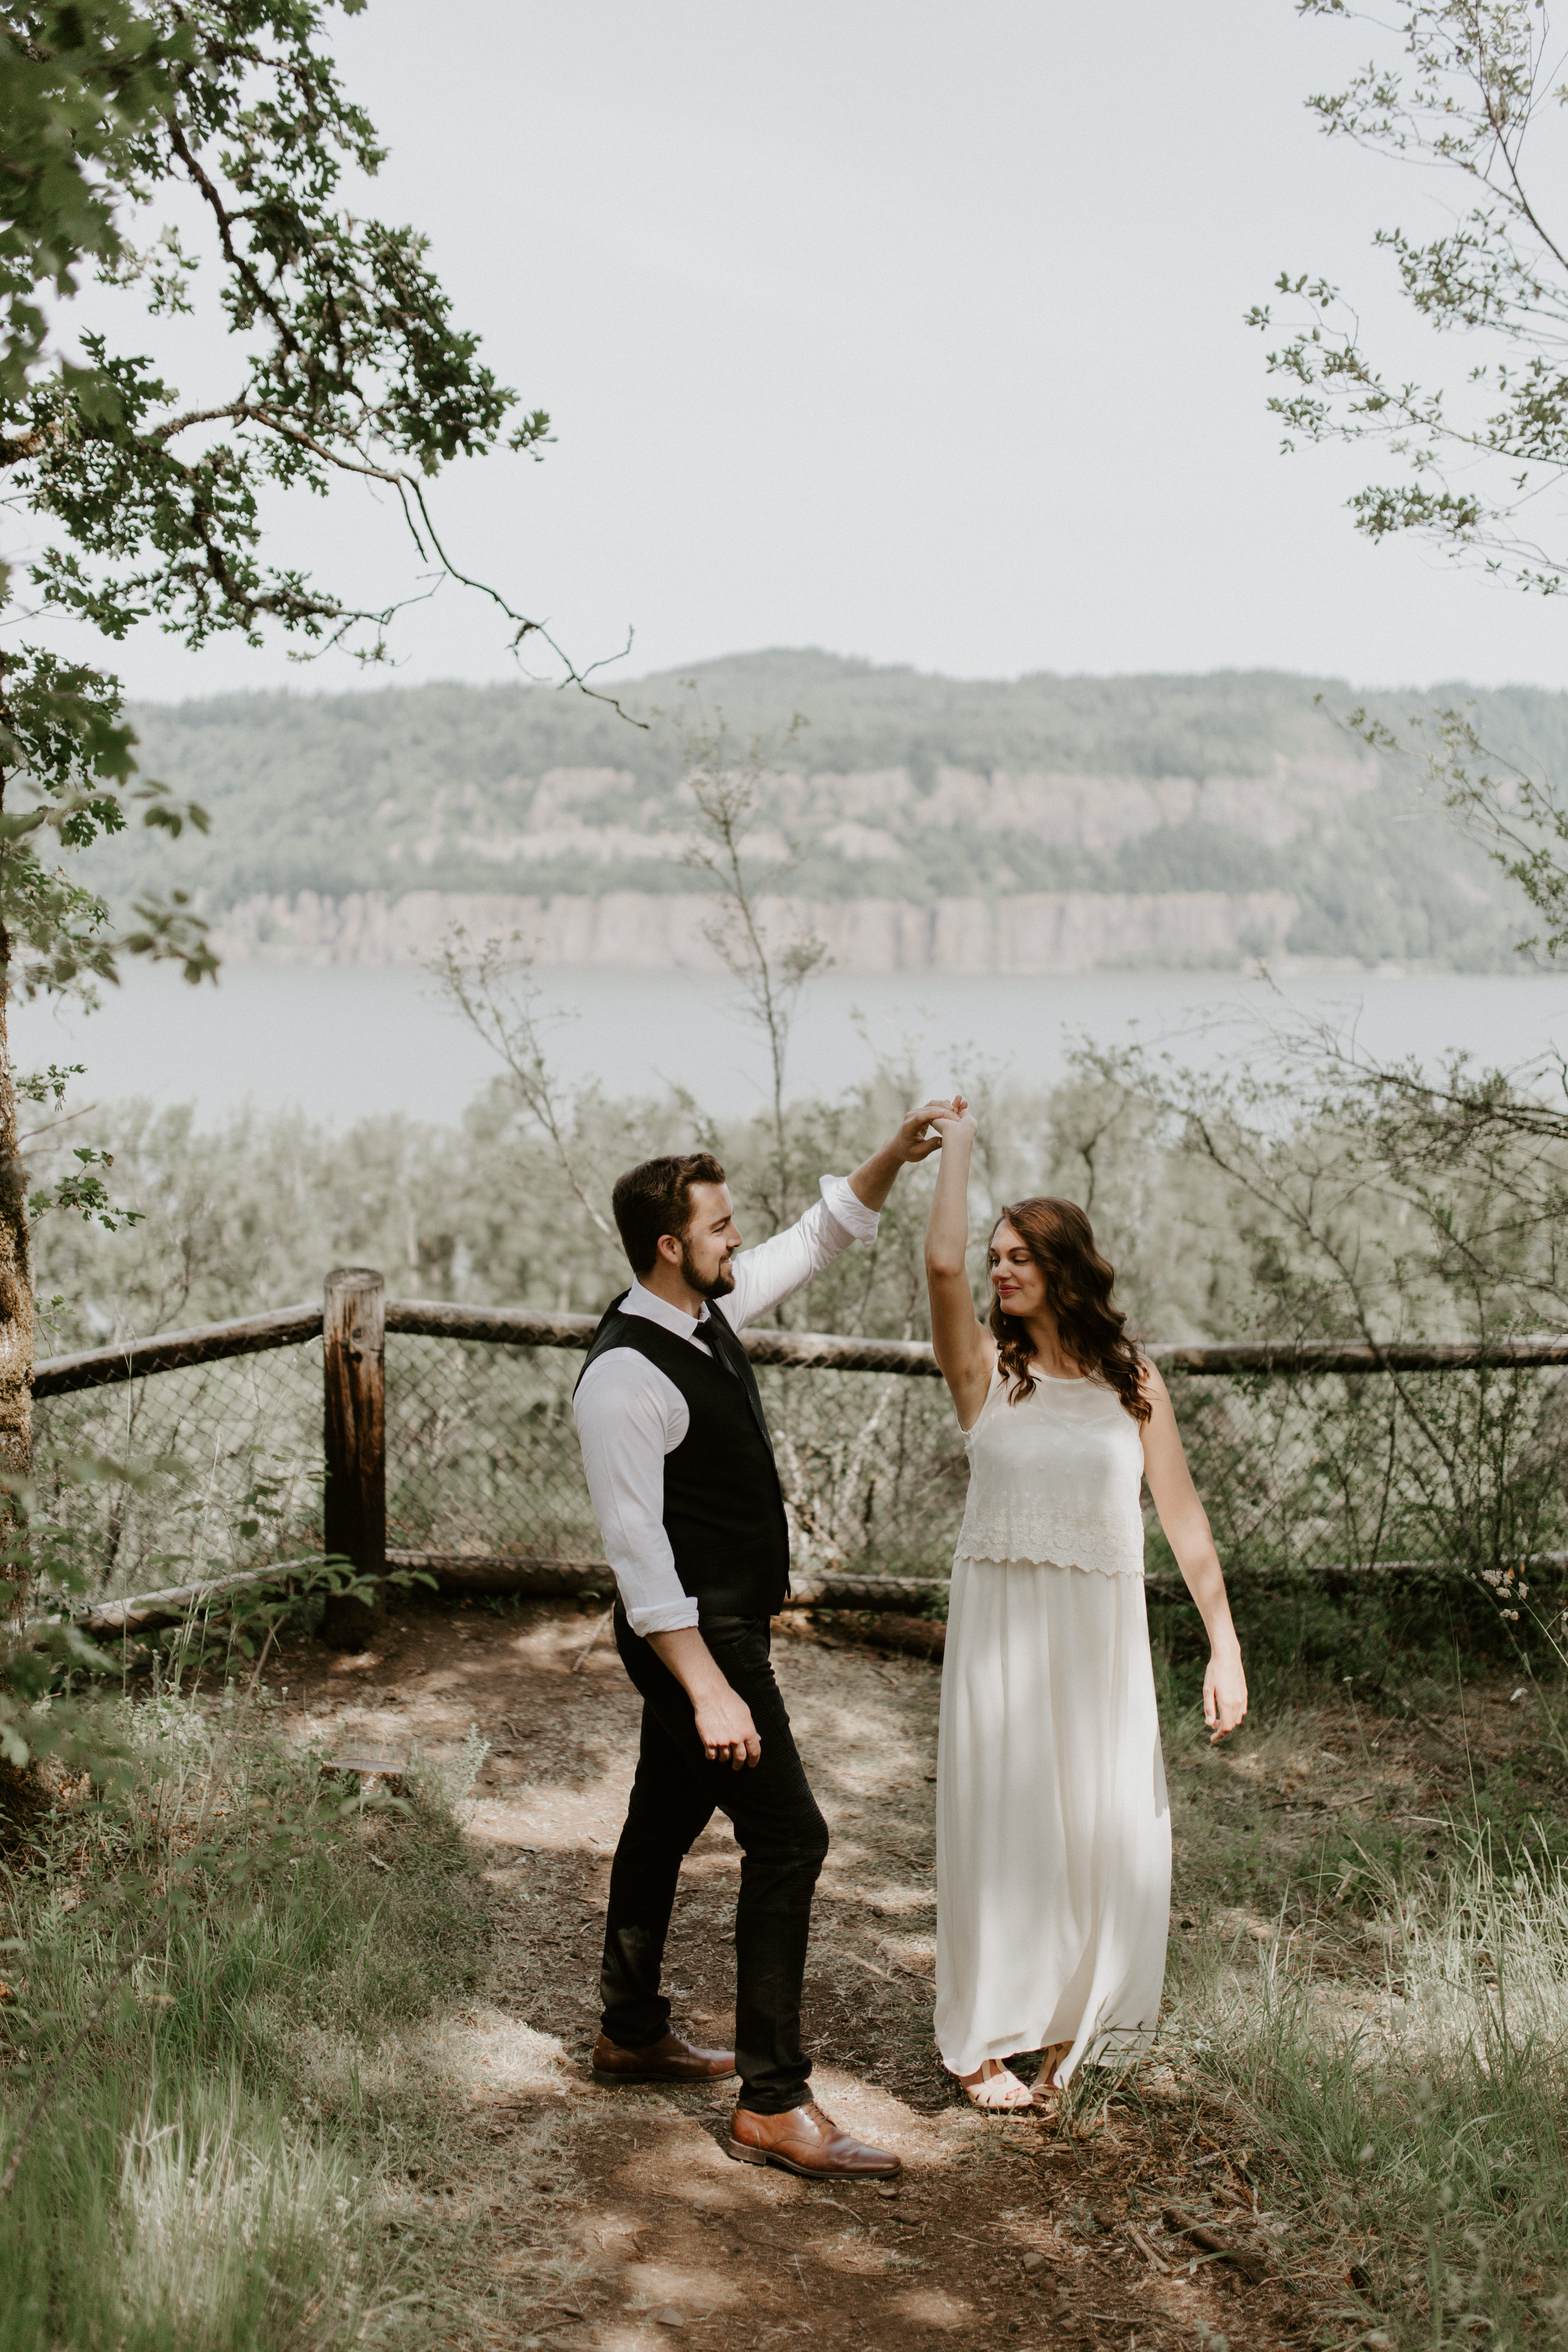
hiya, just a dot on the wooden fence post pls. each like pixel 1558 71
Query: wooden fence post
pixel 354 1517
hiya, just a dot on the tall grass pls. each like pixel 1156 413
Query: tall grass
pixel 1424 2125
pixel 216 2166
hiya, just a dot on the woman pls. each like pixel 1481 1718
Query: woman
pixel 1053 1839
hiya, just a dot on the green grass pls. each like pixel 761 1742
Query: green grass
pixel 1369 1976
pixel 218 2164
pixel 1411 2118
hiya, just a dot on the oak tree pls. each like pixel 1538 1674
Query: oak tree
pixel 202 156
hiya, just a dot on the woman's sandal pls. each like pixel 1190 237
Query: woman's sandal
pixel 996 2088
pixel 1048 2093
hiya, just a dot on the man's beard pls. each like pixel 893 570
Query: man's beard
pixel 706 1286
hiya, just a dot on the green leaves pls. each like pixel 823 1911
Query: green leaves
pixel 348 362
pixel 532 436
pixel 48 1085
pixel 149 505
pixel 1470 86
pixel 85 1194
pixel 80 84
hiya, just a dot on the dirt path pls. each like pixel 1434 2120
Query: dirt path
pixel 614 2218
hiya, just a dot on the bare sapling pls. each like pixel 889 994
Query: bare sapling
pixel 493 987
pixel 727 793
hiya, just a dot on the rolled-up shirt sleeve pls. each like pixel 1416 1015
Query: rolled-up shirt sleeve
pixel 849 1211
pixel 628 1418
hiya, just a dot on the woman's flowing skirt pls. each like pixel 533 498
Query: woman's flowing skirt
pixel 1053 1829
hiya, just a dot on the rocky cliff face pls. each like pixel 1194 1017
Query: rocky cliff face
pixel 880 817
pixel 927 824
pixel 1059 931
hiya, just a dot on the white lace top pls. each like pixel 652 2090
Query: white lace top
pixel 1055 1479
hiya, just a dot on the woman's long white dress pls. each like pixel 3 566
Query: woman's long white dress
pixel 1053 1830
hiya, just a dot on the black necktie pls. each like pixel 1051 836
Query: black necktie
pixel 716 1347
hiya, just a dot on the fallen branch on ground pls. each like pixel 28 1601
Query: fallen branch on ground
pixel 1252 2262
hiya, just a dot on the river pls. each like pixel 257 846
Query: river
pixel 343 1043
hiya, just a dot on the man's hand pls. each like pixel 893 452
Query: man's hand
pixel 724 1726
pixel 917 1138
pixel 723 1719
pixel 955 1122
pixel 919 1135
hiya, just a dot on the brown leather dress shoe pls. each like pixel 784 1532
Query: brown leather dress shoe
pixel 668 2060
pixel 807 2142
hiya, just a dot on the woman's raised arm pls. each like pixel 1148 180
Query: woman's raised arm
pixel 965 1348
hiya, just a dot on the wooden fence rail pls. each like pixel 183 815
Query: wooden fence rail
pixel 207 1343
pixel 826 1352
pixel 356 1317
pixel 467 1573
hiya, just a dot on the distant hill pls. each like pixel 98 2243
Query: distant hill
pixel 901 789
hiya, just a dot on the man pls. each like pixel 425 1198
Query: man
pixel 681 1468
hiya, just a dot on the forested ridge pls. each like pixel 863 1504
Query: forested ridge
pixel 896 784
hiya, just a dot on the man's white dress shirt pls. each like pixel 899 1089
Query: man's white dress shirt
pixel 630 1414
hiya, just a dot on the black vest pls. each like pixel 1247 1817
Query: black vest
pixel 723 1510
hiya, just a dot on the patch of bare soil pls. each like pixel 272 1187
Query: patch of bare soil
pixel 582 2216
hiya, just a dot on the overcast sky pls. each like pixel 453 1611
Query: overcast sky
pixel 905 328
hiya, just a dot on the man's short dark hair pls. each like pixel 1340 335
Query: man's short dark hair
pixel 655 1198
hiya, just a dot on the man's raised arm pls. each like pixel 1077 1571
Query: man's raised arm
pixel 847 1212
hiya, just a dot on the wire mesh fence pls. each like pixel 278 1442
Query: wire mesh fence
pixel 185 1473
pixel 873 1469
pixel 1463 1470
pixel 482 1457
pixel 200 1470
pixel 481 1451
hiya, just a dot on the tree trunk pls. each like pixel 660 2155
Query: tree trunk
pixel 15 1311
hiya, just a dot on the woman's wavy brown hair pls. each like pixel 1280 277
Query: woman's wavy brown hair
pixel 1078 1284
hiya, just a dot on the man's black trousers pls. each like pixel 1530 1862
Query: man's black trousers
pixel 783 1840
